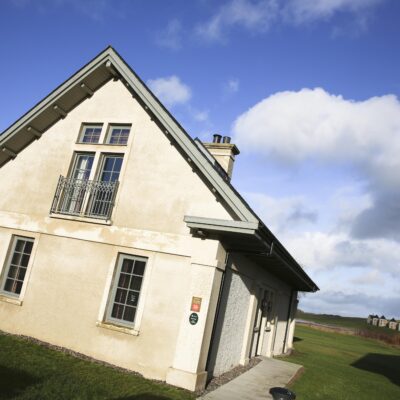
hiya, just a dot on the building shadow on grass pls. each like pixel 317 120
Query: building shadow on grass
pixel 14 381
pixel 297 339
pixel 144 396
pixel 382 364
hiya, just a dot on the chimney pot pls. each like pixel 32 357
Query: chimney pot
pixel 226 139
pixel 217 138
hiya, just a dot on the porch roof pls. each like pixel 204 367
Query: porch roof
pixel 251 240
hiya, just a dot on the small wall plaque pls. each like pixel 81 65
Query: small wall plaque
pixel 193 318
pixel 196 304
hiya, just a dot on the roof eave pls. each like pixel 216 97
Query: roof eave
pixel 252 242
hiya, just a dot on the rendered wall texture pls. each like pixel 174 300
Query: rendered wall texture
pixel 232 323
pixel 234 331
pixel 71 271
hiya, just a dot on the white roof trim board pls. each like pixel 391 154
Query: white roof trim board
pixel 110 65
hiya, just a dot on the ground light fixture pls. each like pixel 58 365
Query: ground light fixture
pixel 280 393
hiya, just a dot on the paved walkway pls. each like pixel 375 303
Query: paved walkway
pixel 256 382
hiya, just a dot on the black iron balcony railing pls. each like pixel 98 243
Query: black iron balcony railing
pixel 84 198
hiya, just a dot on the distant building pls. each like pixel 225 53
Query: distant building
pixel 375 320
pixel 382 322
pixel 369 319
pixel 393 324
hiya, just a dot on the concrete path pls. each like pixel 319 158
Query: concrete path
pixel 256 382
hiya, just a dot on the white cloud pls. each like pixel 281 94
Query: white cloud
pixel 170 90
pixel 282 213
pixel 340 264
pixel 253 16
pixel 171 36
pixel 302 11
pixel 311 123
pixel 257 16
pixel 200 116
pixel 233 85
pixel 372 277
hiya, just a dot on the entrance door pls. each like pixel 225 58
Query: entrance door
pixel 259 322
pixel 268 326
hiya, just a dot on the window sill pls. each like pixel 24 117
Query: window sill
pixel 81 219
pixel 99 146
pixel 117 328
pixel 10 300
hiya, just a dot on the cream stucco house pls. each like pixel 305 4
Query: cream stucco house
pixel 123 239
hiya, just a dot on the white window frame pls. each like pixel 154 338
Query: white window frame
pixel 114 287
pixel 90 125
pixel 7 296
pixel 117 126
pixel 109 293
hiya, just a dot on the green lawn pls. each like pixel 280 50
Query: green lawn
pixel 344 367
pixel 30 371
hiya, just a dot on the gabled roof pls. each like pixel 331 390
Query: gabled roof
pixel 110 65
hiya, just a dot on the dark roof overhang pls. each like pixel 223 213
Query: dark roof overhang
pixel 250 239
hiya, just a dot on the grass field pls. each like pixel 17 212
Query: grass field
pixel 344 367
pixel 347 322
pixel 30 371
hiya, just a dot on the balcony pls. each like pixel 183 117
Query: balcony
pixel 84 198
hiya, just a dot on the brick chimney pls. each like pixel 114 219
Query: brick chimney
pixel 223 151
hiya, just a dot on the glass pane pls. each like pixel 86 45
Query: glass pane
pixel 139 267
pixel 117 164
pixel 108 164
pixel 83 166
pixel 124 281
pixel 16 258
pixel 106 177
pixel 136 283
pixel 25 260
pixel 133 298
pixel 117 311
pixel 120 296
pixel 21 274
pixel 28 247
pixel 9 285
pixel 129 314
pixel 20 245
pixel 127 265
pixel 18 287
pixel 91 134
pixel 119 135
pixel 12 272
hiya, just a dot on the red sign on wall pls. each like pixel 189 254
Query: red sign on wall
pixel 196 304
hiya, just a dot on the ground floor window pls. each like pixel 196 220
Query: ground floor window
pixel 124 296
pixel 16 265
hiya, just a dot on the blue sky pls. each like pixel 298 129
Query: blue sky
pixel 307 88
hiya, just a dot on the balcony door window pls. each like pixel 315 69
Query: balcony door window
pixel 108 180
pixel 76 185
pixel 111 168
pixel 82 166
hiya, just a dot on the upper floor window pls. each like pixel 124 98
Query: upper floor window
pixel 85 195
pixel 118 134
pixel 17 265
pixel 90 134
